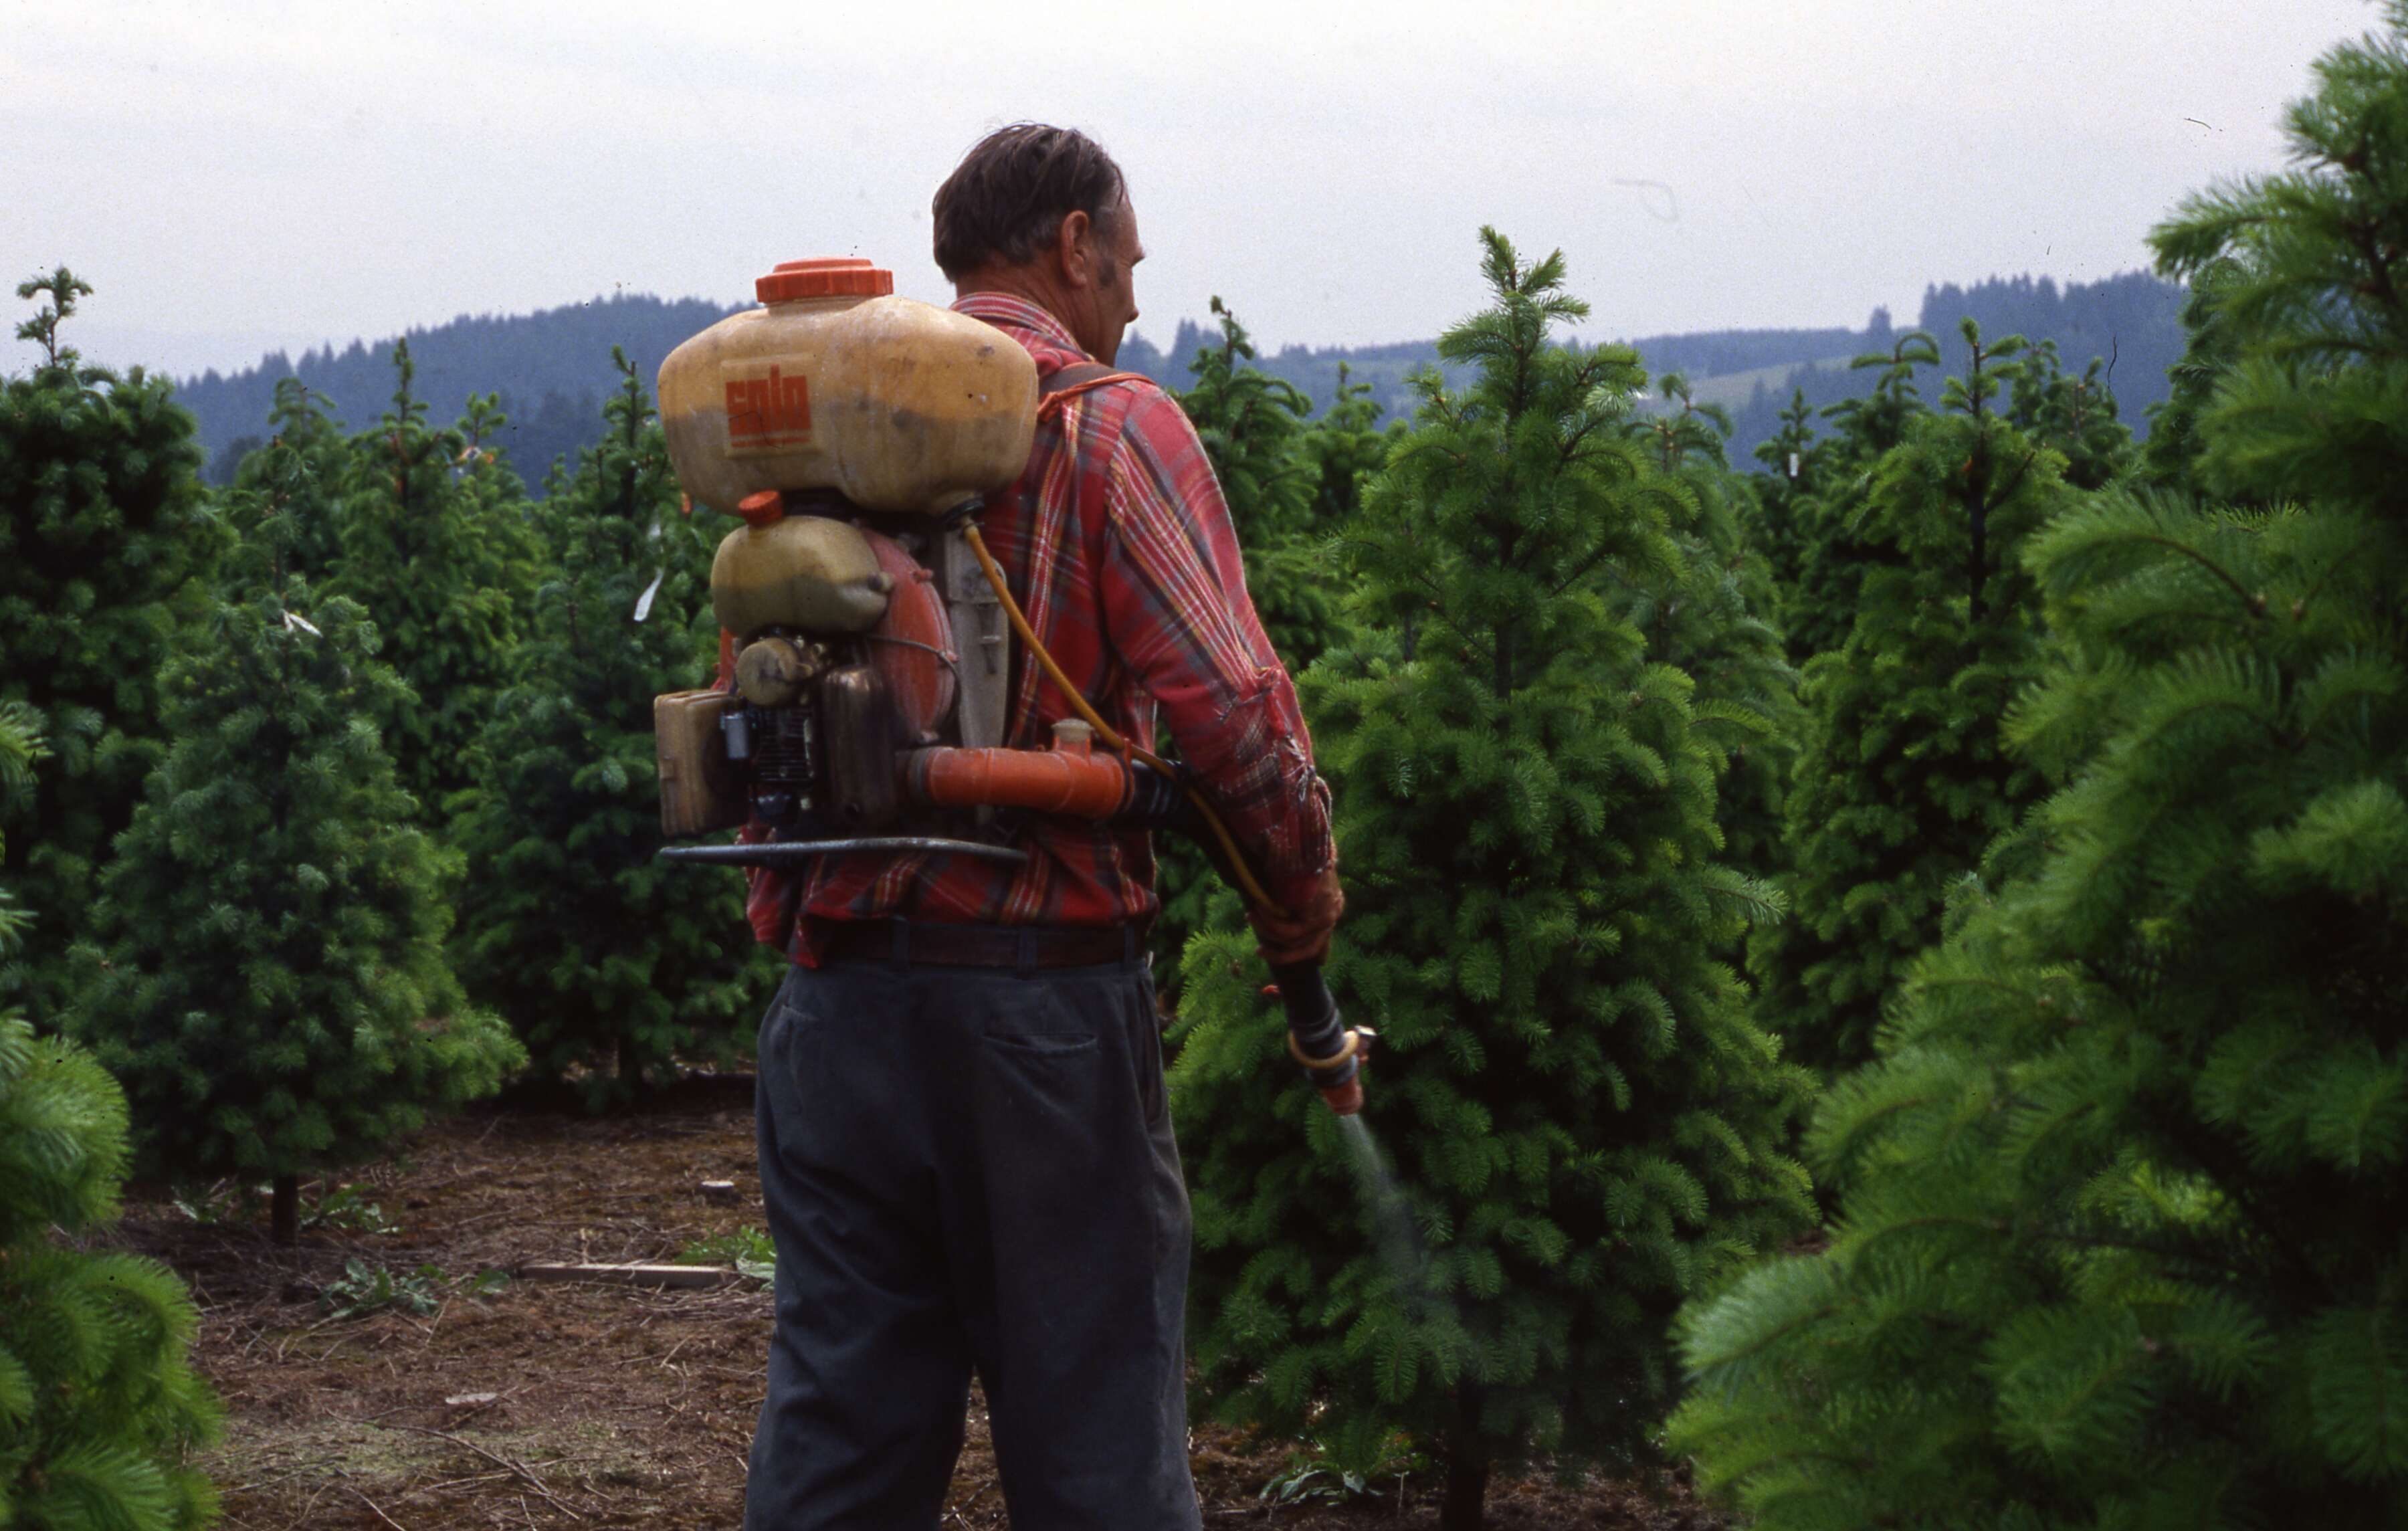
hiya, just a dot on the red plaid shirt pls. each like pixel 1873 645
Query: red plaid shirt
pixel 1117 543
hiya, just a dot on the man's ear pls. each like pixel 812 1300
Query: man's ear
pixel 1074 247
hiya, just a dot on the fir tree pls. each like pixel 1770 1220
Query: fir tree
pixel 98 1409
pixel 1346 445
pixel 2170 458
pixel 272 990
pixel 601 957
pixel 1832 555
pixel 303 467
pixel 1589 1127
pixel 2075 417
pixel 2120 1243
pixel 1708 616
pixel 1790 456
pixel 103 523
pixel 62 287
pixel 1253 429
pixel 433 541
pixel 1901 781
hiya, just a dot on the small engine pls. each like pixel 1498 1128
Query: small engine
pixel 857 709
pixel 848 659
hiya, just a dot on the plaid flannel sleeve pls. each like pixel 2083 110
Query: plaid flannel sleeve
pixel 1178 613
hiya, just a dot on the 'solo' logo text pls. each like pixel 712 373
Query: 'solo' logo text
pixel 768 406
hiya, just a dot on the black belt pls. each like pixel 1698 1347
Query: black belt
pixel 934 944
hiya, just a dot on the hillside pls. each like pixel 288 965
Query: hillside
pixel 551 368
pixel 2134 322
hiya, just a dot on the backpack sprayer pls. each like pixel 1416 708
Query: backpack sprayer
pixel 866 624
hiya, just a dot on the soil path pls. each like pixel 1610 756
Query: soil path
pixel 523 1404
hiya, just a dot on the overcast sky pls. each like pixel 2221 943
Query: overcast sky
pixel 234 178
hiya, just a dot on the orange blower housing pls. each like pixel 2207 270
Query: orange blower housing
pixel 1070 779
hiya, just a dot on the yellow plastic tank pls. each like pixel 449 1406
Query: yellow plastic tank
pixel 834 383
pixel 809 573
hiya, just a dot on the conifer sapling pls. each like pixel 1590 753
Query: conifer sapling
pixel 104 524
pixel 1901 779
pixel 269 981
pixel 600 955
pixel 2119 1239
pixel 1587 1126
pixel 98 1409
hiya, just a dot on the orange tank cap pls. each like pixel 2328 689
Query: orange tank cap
pixel 762 509
pixel 843 276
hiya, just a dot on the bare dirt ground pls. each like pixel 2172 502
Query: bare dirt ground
pixel 516 1403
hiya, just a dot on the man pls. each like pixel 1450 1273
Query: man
pixel 965 1151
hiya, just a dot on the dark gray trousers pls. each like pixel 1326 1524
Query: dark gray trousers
pixel 972 1170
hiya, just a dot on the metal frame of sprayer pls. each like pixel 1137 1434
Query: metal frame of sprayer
pixel 872 719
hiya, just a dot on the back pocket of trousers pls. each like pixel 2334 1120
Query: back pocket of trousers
pixel 1042 1043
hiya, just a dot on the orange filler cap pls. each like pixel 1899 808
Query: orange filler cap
pixel 764 508
pixel 843 276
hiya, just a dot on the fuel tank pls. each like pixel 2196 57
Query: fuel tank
pixel 808 573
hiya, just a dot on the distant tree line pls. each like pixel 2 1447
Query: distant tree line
pixel 550 370
pixel 2133 323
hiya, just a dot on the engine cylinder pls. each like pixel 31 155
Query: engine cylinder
pixel 777 670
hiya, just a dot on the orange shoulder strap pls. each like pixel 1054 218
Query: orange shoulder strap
pixel 1070 382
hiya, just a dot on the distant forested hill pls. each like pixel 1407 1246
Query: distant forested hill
pixel 2134 322
pixel 553 367
pixel 2133 318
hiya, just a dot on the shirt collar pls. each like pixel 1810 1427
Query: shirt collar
pixel 1017 313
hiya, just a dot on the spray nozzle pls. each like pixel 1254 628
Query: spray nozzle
pixel 1338 1078
pixel 1330 1052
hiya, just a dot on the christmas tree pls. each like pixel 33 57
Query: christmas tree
pixel 269 984
pixel 433 539
pixel 1708 615
pixel 1255 430
pixel 1346 445
pixel 302 467
pixel 1792 458
pixel 97 1407
pixel 103 524
pixel 1827 546
pixel 1279 473
pixel 2120 1237
pixel 1588 1127
pixel 2075 417
pixel 601 957
pixel 1901 779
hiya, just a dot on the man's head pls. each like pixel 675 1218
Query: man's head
pixel 1042 213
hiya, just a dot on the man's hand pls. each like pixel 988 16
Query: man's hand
pixel 1303 933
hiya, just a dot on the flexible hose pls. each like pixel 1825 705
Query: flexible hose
pixel 1330 1051
pixel 1111 737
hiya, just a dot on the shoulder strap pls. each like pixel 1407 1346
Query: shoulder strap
pixel 1076 378
pixel 1068 382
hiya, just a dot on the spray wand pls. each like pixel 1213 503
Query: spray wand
pixel 1330 1052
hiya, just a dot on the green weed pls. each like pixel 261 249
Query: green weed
pixel 364 1289
pixel 748 1250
